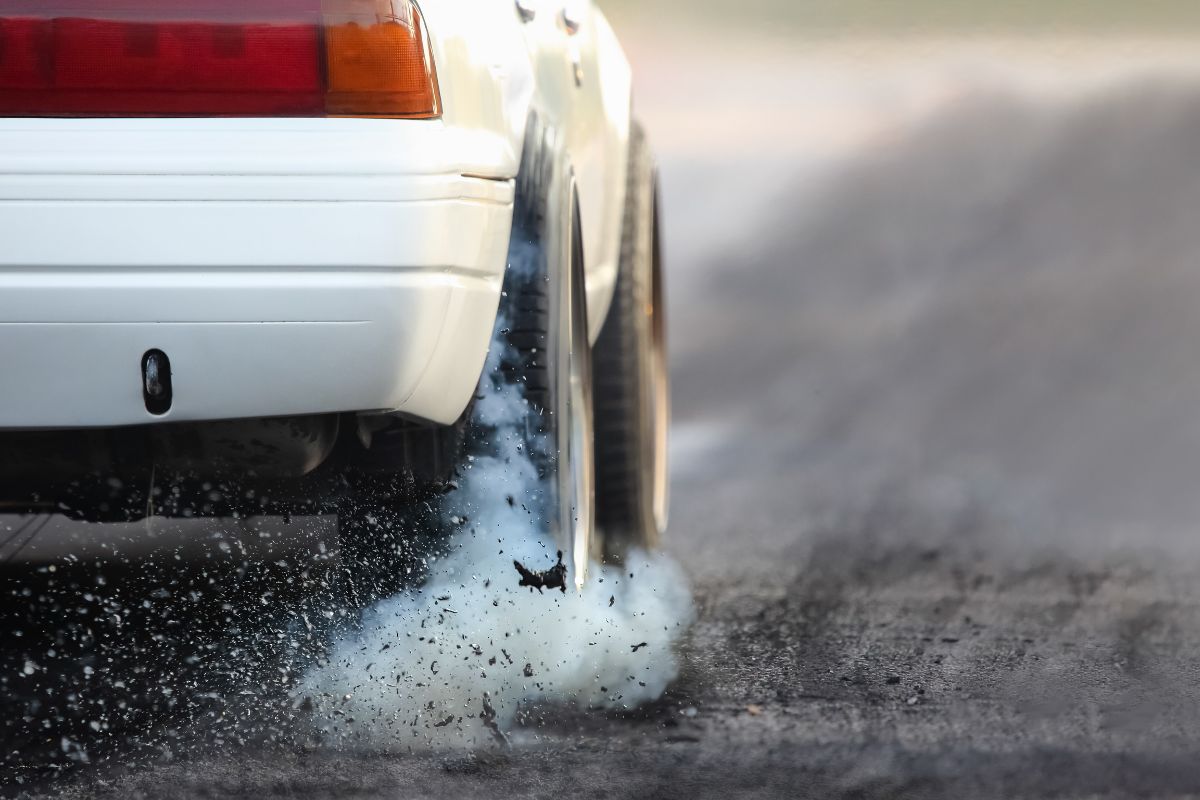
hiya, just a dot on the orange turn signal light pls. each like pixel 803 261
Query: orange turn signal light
pixel 378 61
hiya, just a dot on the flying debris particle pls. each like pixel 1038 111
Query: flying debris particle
pixel 528 671
pixel 488 718
pixel 553 578
pixel 444 722
pixel 637 647
pixel 611 600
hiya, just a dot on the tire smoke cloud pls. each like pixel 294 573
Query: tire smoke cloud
pixel 451 661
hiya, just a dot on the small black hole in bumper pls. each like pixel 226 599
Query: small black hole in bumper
pixel 156 382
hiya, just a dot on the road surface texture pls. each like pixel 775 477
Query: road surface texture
pixel 937 464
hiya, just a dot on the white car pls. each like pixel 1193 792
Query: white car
pixel 252 253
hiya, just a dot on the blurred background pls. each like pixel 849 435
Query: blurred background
pixel 941 254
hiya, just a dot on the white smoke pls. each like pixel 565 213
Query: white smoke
pixel 451 661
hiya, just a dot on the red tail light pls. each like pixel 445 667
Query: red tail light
pixel 155 58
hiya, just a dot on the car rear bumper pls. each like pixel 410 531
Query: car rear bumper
pixel 313 280
pixel 241 344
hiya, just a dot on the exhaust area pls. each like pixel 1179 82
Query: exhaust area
pixel 451 662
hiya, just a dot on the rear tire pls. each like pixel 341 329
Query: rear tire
pixel 548 354
pixel 632 391
pixel 542 334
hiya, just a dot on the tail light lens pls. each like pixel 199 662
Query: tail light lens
pixel 157 58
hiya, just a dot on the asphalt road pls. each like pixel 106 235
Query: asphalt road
pixel 935 465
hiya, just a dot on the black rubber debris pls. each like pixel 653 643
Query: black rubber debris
pixel 553 578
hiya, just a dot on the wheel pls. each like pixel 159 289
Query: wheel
pixel 542 335
pixel 547 352
pixel 576 475
pixel 631 384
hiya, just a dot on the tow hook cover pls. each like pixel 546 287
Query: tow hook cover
pixel 156 382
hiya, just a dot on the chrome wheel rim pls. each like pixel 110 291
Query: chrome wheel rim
pixel 580 459
pixel 576 460
pixel 660 397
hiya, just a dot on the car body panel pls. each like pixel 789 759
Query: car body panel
pixel 299 266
